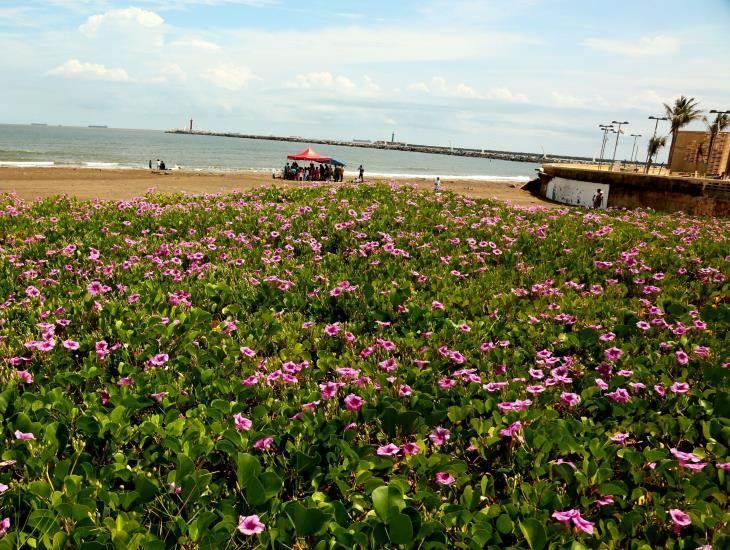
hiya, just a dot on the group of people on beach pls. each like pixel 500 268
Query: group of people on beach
pixel 160 165
pixel 313 172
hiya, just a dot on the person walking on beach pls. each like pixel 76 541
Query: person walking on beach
pixel 598 199
pixel 150 164
pixel 158 164
pixel 437 185
pixel 361 171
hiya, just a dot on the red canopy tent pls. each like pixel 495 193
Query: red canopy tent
pixel 309 155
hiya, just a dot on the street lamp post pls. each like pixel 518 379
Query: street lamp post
pixel 634 149
pixel 657 118
pixel 714 134
pixel 605 129
pixel 618 133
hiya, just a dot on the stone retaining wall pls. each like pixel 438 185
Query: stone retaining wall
pixel 697 196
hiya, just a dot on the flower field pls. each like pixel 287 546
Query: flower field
pixel 361 367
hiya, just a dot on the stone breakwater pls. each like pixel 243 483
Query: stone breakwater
pixel 432 149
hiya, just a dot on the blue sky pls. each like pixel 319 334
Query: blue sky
pixel 519 75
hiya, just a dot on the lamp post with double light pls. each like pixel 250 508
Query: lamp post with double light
pixel 634 149
pixel 605 128
pixel 618 133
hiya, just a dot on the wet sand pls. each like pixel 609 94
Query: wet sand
pixel 115 184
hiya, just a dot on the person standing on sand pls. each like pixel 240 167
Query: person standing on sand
pixel 437 185
pixel 158 164
pixel 598 199
pixel 150 164
pixel 361 171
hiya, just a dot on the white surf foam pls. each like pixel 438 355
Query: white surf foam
pixel 26 164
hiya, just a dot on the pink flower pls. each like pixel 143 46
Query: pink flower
pixel 512 430
pixel 604 501
pixel 574 516
pixel 405 390
pixel 332 330
pixel 159 359
pixel 619 437
pixel 95 287
pixel 32 292
pixel 250 525
pixel 23 435
pixel 175 489
pixel 354 402
pixel 25 376
pixel 71 344
pixel 242 423
pixel 682 357
pixel 4 526
pixel 613 354
pixel 329 390
pixel 680 387
pixel 679 518
pixel 444 478
pixel 264 444
pixel 411 449
pixel 389 365
pixel 125 381
pixel 388 450
pixel 619 396
pixel 440 436
pixel 570 399
pixel 159 396
pixel 248 352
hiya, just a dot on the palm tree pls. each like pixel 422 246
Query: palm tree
pixel 721 122
pixel 680 114
pixel 655 143
pixel 699 153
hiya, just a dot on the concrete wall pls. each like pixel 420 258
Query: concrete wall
pixel 691 149
pixel 631 190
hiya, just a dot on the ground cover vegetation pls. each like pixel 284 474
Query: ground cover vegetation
pixel 360 366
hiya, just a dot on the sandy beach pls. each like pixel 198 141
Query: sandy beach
pixel 115 184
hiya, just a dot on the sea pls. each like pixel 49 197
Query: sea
pixel 49 146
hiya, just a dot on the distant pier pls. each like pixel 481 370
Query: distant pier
pixel 399 146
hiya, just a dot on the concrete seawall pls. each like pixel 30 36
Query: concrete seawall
pixel 432 149
pixel 698 196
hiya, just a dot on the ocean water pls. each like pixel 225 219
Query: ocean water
pixel 45 146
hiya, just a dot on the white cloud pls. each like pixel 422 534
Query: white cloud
pixel 560 99
pixel 419 87
pixel 168 73
pixel 229 76
pixel 371 85
pixel 645 46
pixel 505 94
pixel 321 81
pixel 135 16
pixel 197 44
pixel 73 68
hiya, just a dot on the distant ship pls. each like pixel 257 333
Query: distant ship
pixel 38 124
pixel 97 126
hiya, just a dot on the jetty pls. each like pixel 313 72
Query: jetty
pixel 534 158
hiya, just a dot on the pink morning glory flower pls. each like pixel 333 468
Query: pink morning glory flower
pixel 23 435
pixel 440 436
pixel 388 450
pixel 354 402
pixel 444 478
pixel 679 518
pixel 250 525
pixel 242 423
pixel 264 444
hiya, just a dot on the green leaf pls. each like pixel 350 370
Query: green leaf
pixel 504 524
pixel 308 521
pixel 247 467
pixel 400 528
pixel 534 533
pixel 385 498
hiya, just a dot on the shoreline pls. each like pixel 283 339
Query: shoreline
pixel 124 183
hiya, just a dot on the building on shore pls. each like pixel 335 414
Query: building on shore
pixel 691 150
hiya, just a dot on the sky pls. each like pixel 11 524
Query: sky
pixel 519 75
